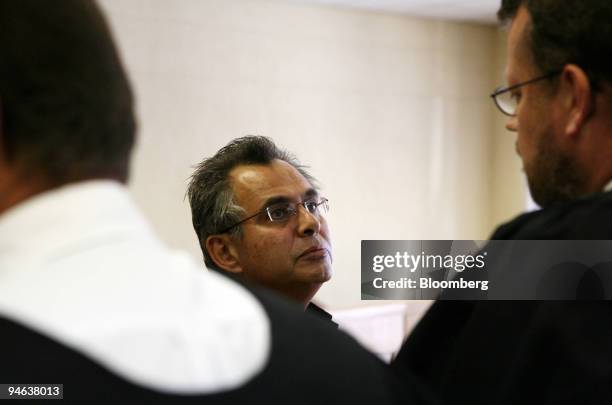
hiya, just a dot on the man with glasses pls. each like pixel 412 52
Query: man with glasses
pixel 258 215
pixel 559 104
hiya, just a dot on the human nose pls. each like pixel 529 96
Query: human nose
pixel 308 223
pixel 512 124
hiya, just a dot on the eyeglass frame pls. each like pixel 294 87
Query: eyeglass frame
pixel 323 201
pixel 501 90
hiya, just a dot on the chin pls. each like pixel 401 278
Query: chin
pixel 326 274
pixel 319 274
pixel 325 277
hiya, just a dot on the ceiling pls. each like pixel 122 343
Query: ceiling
pixel 480 11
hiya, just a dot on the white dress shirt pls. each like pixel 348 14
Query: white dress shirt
pixel 81 265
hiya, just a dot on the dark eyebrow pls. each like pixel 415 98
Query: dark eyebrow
pixel 311 192
pixel 275 200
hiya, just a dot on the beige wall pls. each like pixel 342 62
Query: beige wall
pixel 390 112
pixel 508 186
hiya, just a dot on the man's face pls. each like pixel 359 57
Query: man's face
pixel 551 174
pixel 284 255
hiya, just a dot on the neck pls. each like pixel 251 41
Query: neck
pixel 601 179
pixel 300 293
pixel 14 190
pixel 303 295
pixel 594 154
pixel 17 185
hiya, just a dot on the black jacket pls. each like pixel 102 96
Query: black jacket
pixel 510 352
pixel 321 313
pixel 309 363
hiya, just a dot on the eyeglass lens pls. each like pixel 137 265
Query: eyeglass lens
pixel 506 102
pixel 282 211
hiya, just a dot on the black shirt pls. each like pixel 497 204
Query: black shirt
pixel 320 312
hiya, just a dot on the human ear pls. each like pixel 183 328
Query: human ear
pixel 577 96
pixel 223 252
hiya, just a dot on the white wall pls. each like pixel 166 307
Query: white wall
pixel 390 112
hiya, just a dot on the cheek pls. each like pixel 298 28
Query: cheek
pixel 324 231
pixel 268 245
pixel 520 142
pixel 526 133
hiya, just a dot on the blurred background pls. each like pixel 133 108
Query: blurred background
pixel 387 101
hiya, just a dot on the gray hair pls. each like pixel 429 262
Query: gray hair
pixel 211 196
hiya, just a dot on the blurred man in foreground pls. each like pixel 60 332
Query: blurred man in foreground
pixel 89 297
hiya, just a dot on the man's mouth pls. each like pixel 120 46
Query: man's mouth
pixel 314 253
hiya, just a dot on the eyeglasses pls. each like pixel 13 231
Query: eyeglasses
pixel 508 102
pixel 282 211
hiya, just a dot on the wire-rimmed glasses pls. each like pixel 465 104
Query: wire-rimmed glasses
pixel 507 102
pixel 282 211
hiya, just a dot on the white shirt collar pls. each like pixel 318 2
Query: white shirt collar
pixel 43 219
pixel 81 265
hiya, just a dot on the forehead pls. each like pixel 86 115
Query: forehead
pixel 518 55
pixel 254 184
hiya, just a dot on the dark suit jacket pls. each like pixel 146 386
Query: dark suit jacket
pixel 321 313
pixel 309 363
pixel 502 352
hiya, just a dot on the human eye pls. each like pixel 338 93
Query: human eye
pixel 311 206
pixel 279 212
